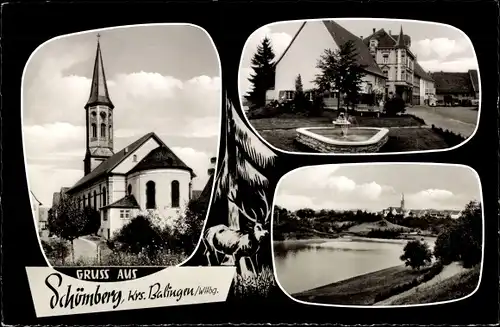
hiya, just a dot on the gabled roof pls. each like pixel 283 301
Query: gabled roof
pixel 127 201
pixel 341 36
pixel 386 40
pixel 34 197
pixel 161 157
pixel 420 72
pixel 99 88
pixel 452 82
pixel 474 79
pixel 108 165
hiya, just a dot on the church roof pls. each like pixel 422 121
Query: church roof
pixel 127 201
pixel 99 94
pixel 161 157
pixel 108 165
pixel 341 36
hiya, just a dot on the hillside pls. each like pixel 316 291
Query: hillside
pixel 378 225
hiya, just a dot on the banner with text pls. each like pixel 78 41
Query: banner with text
pixel 56 294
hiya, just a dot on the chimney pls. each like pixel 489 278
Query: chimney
pixel 373 30
pixel 361 37
pixel 126 150
pixel 390 32
pixel 211 168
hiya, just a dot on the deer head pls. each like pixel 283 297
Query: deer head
pixel 259 232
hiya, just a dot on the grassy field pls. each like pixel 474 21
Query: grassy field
pixel 405 133
pixel 455 287
pixel 381 225
pixel 360 290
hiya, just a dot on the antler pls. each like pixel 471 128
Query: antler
pixel 242 210
pixel 265 212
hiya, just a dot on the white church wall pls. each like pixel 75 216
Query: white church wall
pixel 117 189
pixel 163 179
pixel 126 165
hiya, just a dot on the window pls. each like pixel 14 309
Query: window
pixel 105 215
pixel 83 202
pixel 95 200
pixel 124 214
pixel 94 130
pixel 129 189
pixel 386 73
pixel 103 115
pixel 103 130
pixel 89 200
pixel 175 194
pixel 94 114
pixel 150 195
pixel 385 59
pixel 103 196
pixel 110 132
pixel 134 158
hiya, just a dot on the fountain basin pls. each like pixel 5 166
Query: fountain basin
pixel 331 140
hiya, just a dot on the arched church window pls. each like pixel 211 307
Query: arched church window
pixel 103 196
pixel 175 194
pixel 150 195
pixel 110 134
pixel 103 115
pixel 94 130
pixel 129 189
pixel 89 203
pixel 134 158
pixel 103 130
pixel 83 201
pixel 95 199
pixel 94 114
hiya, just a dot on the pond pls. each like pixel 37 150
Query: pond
pixel 301 265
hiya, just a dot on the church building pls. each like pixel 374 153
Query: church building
pixel 145 175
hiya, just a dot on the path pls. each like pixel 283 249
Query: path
pixel 461 120
pixel 447 272
pixel 84 249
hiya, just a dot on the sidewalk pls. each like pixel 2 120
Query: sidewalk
pixel 434 117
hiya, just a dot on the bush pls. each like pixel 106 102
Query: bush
pixel 394 106
pixel 162 258
pixel 56 250
pixel 389 233
pixel 258 286
pixel 318 105
pixel 416 254
pixel 449 137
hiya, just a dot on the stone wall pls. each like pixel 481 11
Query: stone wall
pixel 324 147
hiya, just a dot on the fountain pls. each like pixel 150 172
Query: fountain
pixel 342 138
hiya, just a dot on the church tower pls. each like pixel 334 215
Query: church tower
pixel 99 118
pixel 402 202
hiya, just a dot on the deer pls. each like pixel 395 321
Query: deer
pixel 221 239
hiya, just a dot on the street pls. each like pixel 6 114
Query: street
pixel 461 120
pixel 84 249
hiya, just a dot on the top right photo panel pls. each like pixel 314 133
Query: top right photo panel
pixel 360 86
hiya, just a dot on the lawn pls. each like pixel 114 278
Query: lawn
pixel 453 288
pixel 360 290
pixel 405 132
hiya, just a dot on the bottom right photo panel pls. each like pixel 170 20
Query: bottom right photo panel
pixel 378 234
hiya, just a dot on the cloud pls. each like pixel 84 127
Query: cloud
pixel 279 41
pixel 198 161
pixel 455 65
pixel 435 199
pixel 440 47
pixel 44 180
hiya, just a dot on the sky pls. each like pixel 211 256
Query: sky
pixel 162 78
pixel 438 47
pixel 374 187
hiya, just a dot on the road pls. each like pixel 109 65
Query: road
pixel 84 249
pixel 461 120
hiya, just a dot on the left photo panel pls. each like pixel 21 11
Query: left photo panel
pixel 121 130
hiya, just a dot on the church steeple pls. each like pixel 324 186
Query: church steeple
pixel 401 39
pixel 402 201
pixel 99 94
pixel 99 118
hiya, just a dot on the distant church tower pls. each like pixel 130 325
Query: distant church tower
pixel 402 202
pixel 99 118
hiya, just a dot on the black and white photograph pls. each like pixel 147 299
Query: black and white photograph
pixel 121 132
pixel 388 234
pixel 360 86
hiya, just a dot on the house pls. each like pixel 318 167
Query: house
pixel 456 85
pixel 144 175
pixel 302 54
pixel 399 64
pixel 426 88
pixel 43 218
pixel 35 207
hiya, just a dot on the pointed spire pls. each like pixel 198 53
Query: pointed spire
pixel 99 88
pixel 401 39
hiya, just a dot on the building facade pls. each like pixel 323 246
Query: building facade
pixel 145 175
pixel 398 63
pixel 303 52
pixel 456 86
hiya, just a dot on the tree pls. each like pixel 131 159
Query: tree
pixel 56 250
pixel 68 221
pixel 340 72
pixel 186 232
pixel 262 79
pixel 93 221
pixel 416 254
pixel 299 96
